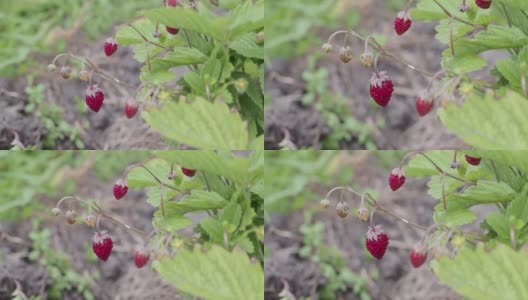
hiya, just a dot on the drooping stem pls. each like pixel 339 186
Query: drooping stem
pixel 457 18
pixel 162 205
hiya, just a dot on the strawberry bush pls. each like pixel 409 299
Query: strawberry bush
pixel 216 194
pixel 487 261
pixel 218 102
pixel 486 111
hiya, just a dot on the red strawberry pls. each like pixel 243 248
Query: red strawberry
pixel 188 172
pixel 402 22
pixel 110 46
pixel 473 160
pixel 423 105
pixel 94 97
pixel 141 257
pixel 396 179
pixel 120 189
pixel 484 4
pixel 172 31
pixel 131 108
pixel 102 245
pixel 171 3
pixel 377 241
pixel 418 255
pixel 381 88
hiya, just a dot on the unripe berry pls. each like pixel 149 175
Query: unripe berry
pixel 363 214
pixel 83 75
pixel 327 48
pixel 56 211
pixel 71 217
pixel 90 220
pixel 342 209
pixel 241 86
pixel 65 72
pixel 52 67
pixel 345 54
pixel 366 59
pixel 259 38
pixel 325 203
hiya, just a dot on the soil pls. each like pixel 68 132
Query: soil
pixel 397 279
pixel 403 129
pixel 109 128
pixel 119 277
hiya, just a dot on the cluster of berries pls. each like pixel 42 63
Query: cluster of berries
pixel 102 243
pixel 381 86
pixel 377 240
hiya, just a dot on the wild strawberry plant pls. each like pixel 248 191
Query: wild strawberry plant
pixel 218 195
pixel 467 102
pixel 485 263
pixel 218 102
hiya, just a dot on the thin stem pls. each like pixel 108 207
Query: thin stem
pixel 457 18
pixel 443 192
pixel 508 18
pixel 145 38
pixel 495 171
pixel 512 237
pixel 206 181
pixel 380 208
pixel 124 225
pixel 162 205
pixel 451 40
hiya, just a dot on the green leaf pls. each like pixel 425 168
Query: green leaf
pixel 428 10
pixel 139 177
pixel 455 217
pixel 210 162
pixel 179 56
pixel 500 224
pixel 485 192
pixel 183 18
pixel 246 18
pixel 485 275
pixel 197 201
pixel 420 166
pixel 464 64
pixel 170 222
pixel 214 229
pixel 494 37
pixel 247 46
pixel 232 215
pixel 200 124
pixel 127 35
pixel 488 123
pixel 215 274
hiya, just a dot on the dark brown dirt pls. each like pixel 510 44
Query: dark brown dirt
pixel 403 129
pixel 397 279
pixel 109 128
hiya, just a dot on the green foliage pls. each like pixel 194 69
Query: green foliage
pixel 334 108
pixel 52 117
pixel 214 274
pixel 223 187
pixel 501 124
pixel 485 120
pixel 59 267
pixel 289 172
pixel 289 25
pixel 222 106
pixel 331 262
pixel 43 31
pixel 481 274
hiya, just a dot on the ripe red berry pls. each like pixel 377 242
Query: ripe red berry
pixel 423 105
pixel 120 189
pixel 171 3
pixel 141 257
pixel 377 241
pixel 188 172
pixel 94 97
pixel 131 108
pixel 172 30
pixel 484 4
pixel 110 46
pixel 381 88
pixel 396 179
pixel 102 245
pixel 473 160
pixel 418 255
pixel 402 22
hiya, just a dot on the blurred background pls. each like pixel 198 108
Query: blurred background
pixel 43 256
pixel 311 253
pixel 315 101
pixel 39 109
